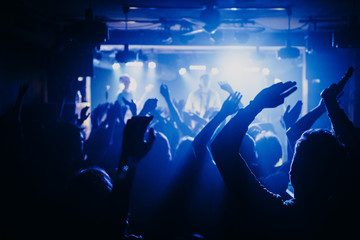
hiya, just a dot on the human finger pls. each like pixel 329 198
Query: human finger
pixel 345 78
pixel 287 93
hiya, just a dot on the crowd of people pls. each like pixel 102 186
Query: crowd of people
pixel 199 170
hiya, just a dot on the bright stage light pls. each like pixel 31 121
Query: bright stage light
pixel 134 64
pixel 182 71
pixel 116 66
pixel 277 80
pixel 96 62
pixel 265 71
pixel 197 67
pixel 80 79
pixel 151 65
pixel 215 71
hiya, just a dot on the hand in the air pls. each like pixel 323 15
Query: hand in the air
pixel 291 115
pixel 274 95
pixel 333 92
pixel 231 104
pixel 134 146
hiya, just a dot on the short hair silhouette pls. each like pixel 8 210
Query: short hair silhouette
pixel 319 165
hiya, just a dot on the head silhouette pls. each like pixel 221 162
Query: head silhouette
pixel 204 81
pixel 67 146
pixel 269 151
pixel 87 199
pixel 125 79
pixel 247 150
pixel 319 165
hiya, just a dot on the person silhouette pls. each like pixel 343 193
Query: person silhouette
pixel 126 92
pixel 320 174
pixel 203 100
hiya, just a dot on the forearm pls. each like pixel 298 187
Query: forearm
pixel 225 148
pixel 343 127
pixel 173 112
pixel 202 139
pixel 133 110
pixel 176 118
pixel 120 195
pixel 233 169
pixel 303 124
pixel 143 112
pixel 231 135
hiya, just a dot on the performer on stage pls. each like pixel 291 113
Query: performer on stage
pixel 126 92
pixel 203 101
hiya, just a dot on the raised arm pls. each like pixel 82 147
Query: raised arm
pixel 344 128
pixel 132 106
pixel 149 106
pixel 291 115
pixel 237 176
pixel 224 85
pixel 230 106
pixel 304 123
pixel 83 116
pixel 134 148
pixel 164 91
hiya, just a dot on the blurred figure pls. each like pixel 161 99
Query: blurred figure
pixel 269 152
pixel 126 96
pixel 272 173
pixel 126 92
pixel 321 174
pixel 203 101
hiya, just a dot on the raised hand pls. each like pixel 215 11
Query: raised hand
pixel 335 90
pixel 345 78
pixel 83 115
pixel 164 91
pixel 134 147
pixel 97 114
pixel 274 95
pixel 231 104
pixel 149 106
pixel 132 106
pixel 224 85
pixel 179 104
pixel 291 115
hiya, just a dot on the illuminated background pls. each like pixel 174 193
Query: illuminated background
pixel 59 43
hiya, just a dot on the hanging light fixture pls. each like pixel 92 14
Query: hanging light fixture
pixel 288 51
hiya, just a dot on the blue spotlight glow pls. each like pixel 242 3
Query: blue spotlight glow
pixel 151 65
pixel 197 67
pixel 134 64
pixel 182 71
pixel 265 71
pixel 215 71
pixel 116 66
pixel 277 80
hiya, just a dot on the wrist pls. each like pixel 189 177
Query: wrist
pixel 142 113
pixel 125 171
pixel 321 108
pixel 127 160
pixel 253 108
pixel 221 114
pixel 330 101
pixel 167 98
pixel 331 104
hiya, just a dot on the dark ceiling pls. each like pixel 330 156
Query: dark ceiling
pixel 48 18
